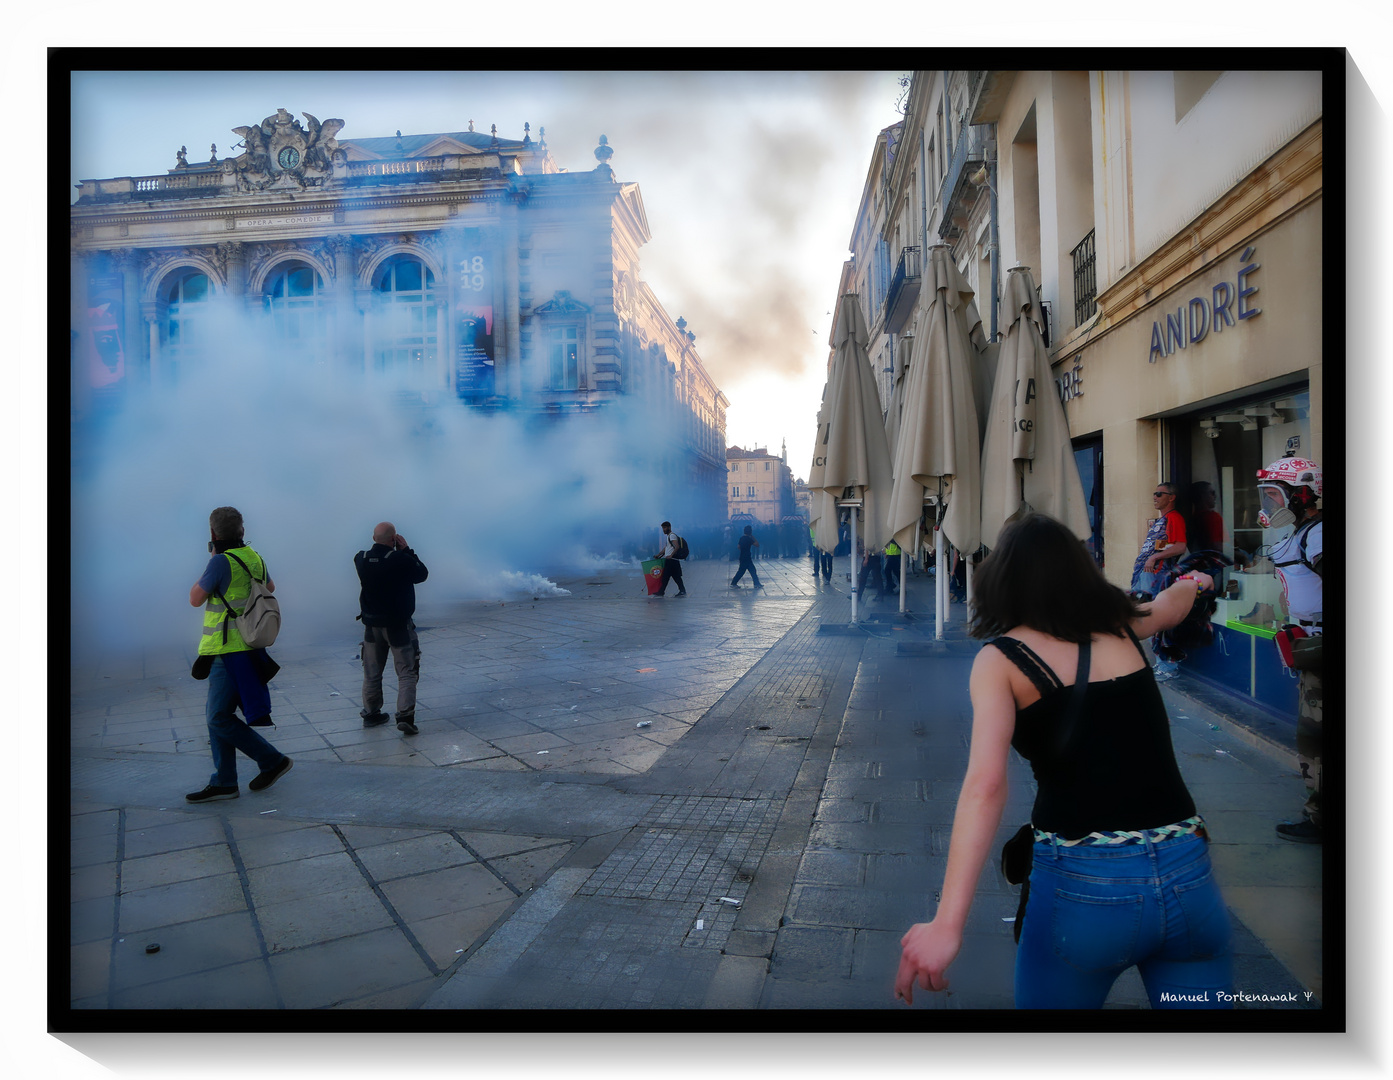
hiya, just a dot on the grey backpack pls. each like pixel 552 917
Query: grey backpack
pixel 260 620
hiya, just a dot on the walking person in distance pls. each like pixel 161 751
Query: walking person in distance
pixel 672 565
pixel 747 545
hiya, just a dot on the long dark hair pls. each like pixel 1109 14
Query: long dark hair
pixel 1040 575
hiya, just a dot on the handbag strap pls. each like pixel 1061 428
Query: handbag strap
pixel 1071 712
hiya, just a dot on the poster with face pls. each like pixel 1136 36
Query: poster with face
pixel 103 338
pixel 474 363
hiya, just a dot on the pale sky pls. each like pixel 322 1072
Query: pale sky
pixel 750 180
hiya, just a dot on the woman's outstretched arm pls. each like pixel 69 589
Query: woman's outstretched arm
pixel 928 948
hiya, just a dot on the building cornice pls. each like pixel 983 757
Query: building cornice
pixel 1278 187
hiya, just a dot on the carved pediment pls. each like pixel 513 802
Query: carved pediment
pixel 562 303
pixel 445 145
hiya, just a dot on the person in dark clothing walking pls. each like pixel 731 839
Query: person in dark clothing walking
pixel 747 545
pixel 389 572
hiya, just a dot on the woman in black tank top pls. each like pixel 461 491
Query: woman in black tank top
pixel 1120 873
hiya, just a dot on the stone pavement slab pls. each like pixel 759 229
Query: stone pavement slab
pixel 761 841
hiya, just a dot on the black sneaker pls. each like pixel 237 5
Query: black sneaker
pixel 213 794
pixel 376 719
pixel 262 780
pixel 407 726
pixel 682 593
pixel 1302 832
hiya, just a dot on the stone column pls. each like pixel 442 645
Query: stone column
pixel 511 347
pixel 150 314
pixel 362 308
pixel 444 336
pixel 233 256
pixel 347 331
pixel 132 326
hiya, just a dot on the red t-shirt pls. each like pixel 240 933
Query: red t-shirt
pixel 1175 529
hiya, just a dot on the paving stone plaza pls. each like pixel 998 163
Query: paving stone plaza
pixel 614 802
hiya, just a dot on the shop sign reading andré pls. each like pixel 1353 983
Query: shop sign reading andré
pixel 1197 317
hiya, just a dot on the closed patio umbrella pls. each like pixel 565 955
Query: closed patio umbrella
pixel 939 446
pixel 1027 457
pixel 857 456
pixel 822 510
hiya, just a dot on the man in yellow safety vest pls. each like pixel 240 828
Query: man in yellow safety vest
pixel 232 668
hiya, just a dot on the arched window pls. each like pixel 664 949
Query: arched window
pixel 295 296
pixel 186 298
pixel 407 319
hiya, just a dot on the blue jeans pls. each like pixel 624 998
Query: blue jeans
pixel 227 733
pixel 1149 582
pixel 1096 911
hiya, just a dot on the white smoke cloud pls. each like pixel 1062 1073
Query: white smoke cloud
pixel 314 458
pixel 513 584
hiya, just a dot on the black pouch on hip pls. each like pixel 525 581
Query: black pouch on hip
pixel 1017 857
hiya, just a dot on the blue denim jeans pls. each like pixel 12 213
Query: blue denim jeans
pixel 227 733
pixel 1096 911
pixel 1149 582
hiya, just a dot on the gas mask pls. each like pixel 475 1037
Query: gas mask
pixel 1275 505
pixel 1274 511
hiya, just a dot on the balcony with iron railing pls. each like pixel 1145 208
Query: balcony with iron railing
pixel 903 291
pixel 206 181
pixel 957 191
pixel 1085 279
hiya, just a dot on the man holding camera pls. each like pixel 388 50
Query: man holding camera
pixel 389 572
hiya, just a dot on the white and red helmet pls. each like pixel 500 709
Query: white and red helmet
pixel 1284 486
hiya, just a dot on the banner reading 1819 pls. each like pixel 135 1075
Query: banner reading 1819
pixel 473 326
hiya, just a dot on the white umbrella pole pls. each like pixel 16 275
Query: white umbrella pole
pixel 902 584
pixel 855 568
pixel 969 583
pixel 940 572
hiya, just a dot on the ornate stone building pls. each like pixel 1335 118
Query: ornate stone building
pixel 461 268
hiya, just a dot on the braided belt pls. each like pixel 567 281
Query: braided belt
pixel 1187 827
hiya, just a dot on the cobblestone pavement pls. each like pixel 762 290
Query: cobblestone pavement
pixel 614 801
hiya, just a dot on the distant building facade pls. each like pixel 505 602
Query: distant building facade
pixel 1173 224
pixel 760 485
pixel 458 267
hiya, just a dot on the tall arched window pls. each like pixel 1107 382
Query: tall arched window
pixel 407 320
pixel 295 296
pixel 186 300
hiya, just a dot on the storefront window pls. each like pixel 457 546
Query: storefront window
pixel 1227 445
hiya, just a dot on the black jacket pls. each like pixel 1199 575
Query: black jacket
pixel 389 578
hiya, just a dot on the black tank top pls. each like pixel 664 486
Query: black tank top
pixel 1117 771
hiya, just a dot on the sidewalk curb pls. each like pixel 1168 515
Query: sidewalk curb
pixel 1244 729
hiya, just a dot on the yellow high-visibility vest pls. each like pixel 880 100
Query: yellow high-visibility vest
pixel 215 613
